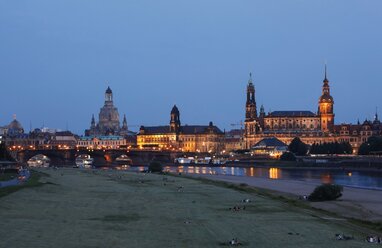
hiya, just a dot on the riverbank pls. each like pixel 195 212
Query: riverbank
pixel 347 164
pixel 357 203
pixel 103 208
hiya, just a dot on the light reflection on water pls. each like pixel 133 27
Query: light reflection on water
pixel 356 178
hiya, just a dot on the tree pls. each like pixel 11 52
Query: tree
pixel 298 147
pixel 155 167
pixel 331 148
pixel 4 154
pixel 372 145
pixel 288 156
pixel 326 192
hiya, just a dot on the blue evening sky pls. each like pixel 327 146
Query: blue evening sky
pixel 57 57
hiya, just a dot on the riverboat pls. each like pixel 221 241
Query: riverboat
pixel 39 161
pixel 124 160
pixel 84 161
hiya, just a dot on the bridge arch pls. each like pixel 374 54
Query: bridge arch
pixel 39 160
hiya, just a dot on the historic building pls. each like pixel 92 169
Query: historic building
pixel 108 133
pixel 108 123
pixel 309 126
pixel 102 142
pixel 187 138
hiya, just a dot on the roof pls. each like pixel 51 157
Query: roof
pixel 270 142
pixel 156 129
pixel 108 90
pixel 175 110
pixel 193 129
pixel 292 113
pixel 64 133
pixel 235 132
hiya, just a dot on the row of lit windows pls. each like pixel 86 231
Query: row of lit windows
pixel 290 126
pixel 86 143
pixel 155 139
pixel 290 120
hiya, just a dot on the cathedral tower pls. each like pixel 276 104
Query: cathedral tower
pixel 251 125
pixel 250 106
pixel 175 120
pixel 325 107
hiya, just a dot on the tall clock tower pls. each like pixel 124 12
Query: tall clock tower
pixel 325 107
pixel 251 119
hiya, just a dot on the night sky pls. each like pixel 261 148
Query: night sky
pixel 58 57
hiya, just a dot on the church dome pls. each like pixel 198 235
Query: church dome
pixel 15 128
pixel 15 125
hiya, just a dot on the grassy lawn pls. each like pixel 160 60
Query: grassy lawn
pixel 84 208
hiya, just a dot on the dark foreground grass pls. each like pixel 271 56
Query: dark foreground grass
pixel 32 182
pixel 94 208
pixel 361 225
pixel 118 218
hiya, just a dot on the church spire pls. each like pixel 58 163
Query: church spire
pixel 376 114
pixel 326 87
pixel 124 122
pixel 92 122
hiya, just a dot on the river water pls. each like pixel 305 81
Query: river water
pixel 345 177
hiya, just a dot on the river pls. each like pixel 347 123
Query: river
pixel 345 177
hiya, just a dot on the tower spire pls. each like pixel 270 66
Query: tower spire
pixel 326 74
pixel 376 114
pixel 92 123
pixel 124 122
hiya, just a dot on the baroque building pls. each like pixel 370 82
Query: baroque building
pixel 187 138
pixel 310 127
pixel 109 123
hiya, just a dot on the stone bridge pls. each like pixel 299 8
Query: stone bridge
pixel 101 157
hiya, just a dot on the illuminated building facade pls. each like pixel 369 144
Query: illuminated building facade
pixel 102 142
pixel 310 127
pixel 187 138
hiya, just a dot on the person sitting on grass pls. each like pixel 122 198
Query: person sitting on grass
pixel 234 241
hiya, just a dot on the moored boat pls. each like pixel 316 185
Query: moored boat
pixel 84 161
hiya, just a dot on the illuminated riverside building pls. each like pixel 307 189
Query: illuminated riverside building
pixel 309 126
pixel 187 138
pixel 102 142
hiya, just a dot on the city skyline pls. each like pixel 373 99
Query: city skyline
pixel 197 56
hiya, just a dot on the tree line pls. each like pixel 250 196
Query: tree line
pixel 372 146
pixel 299 148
